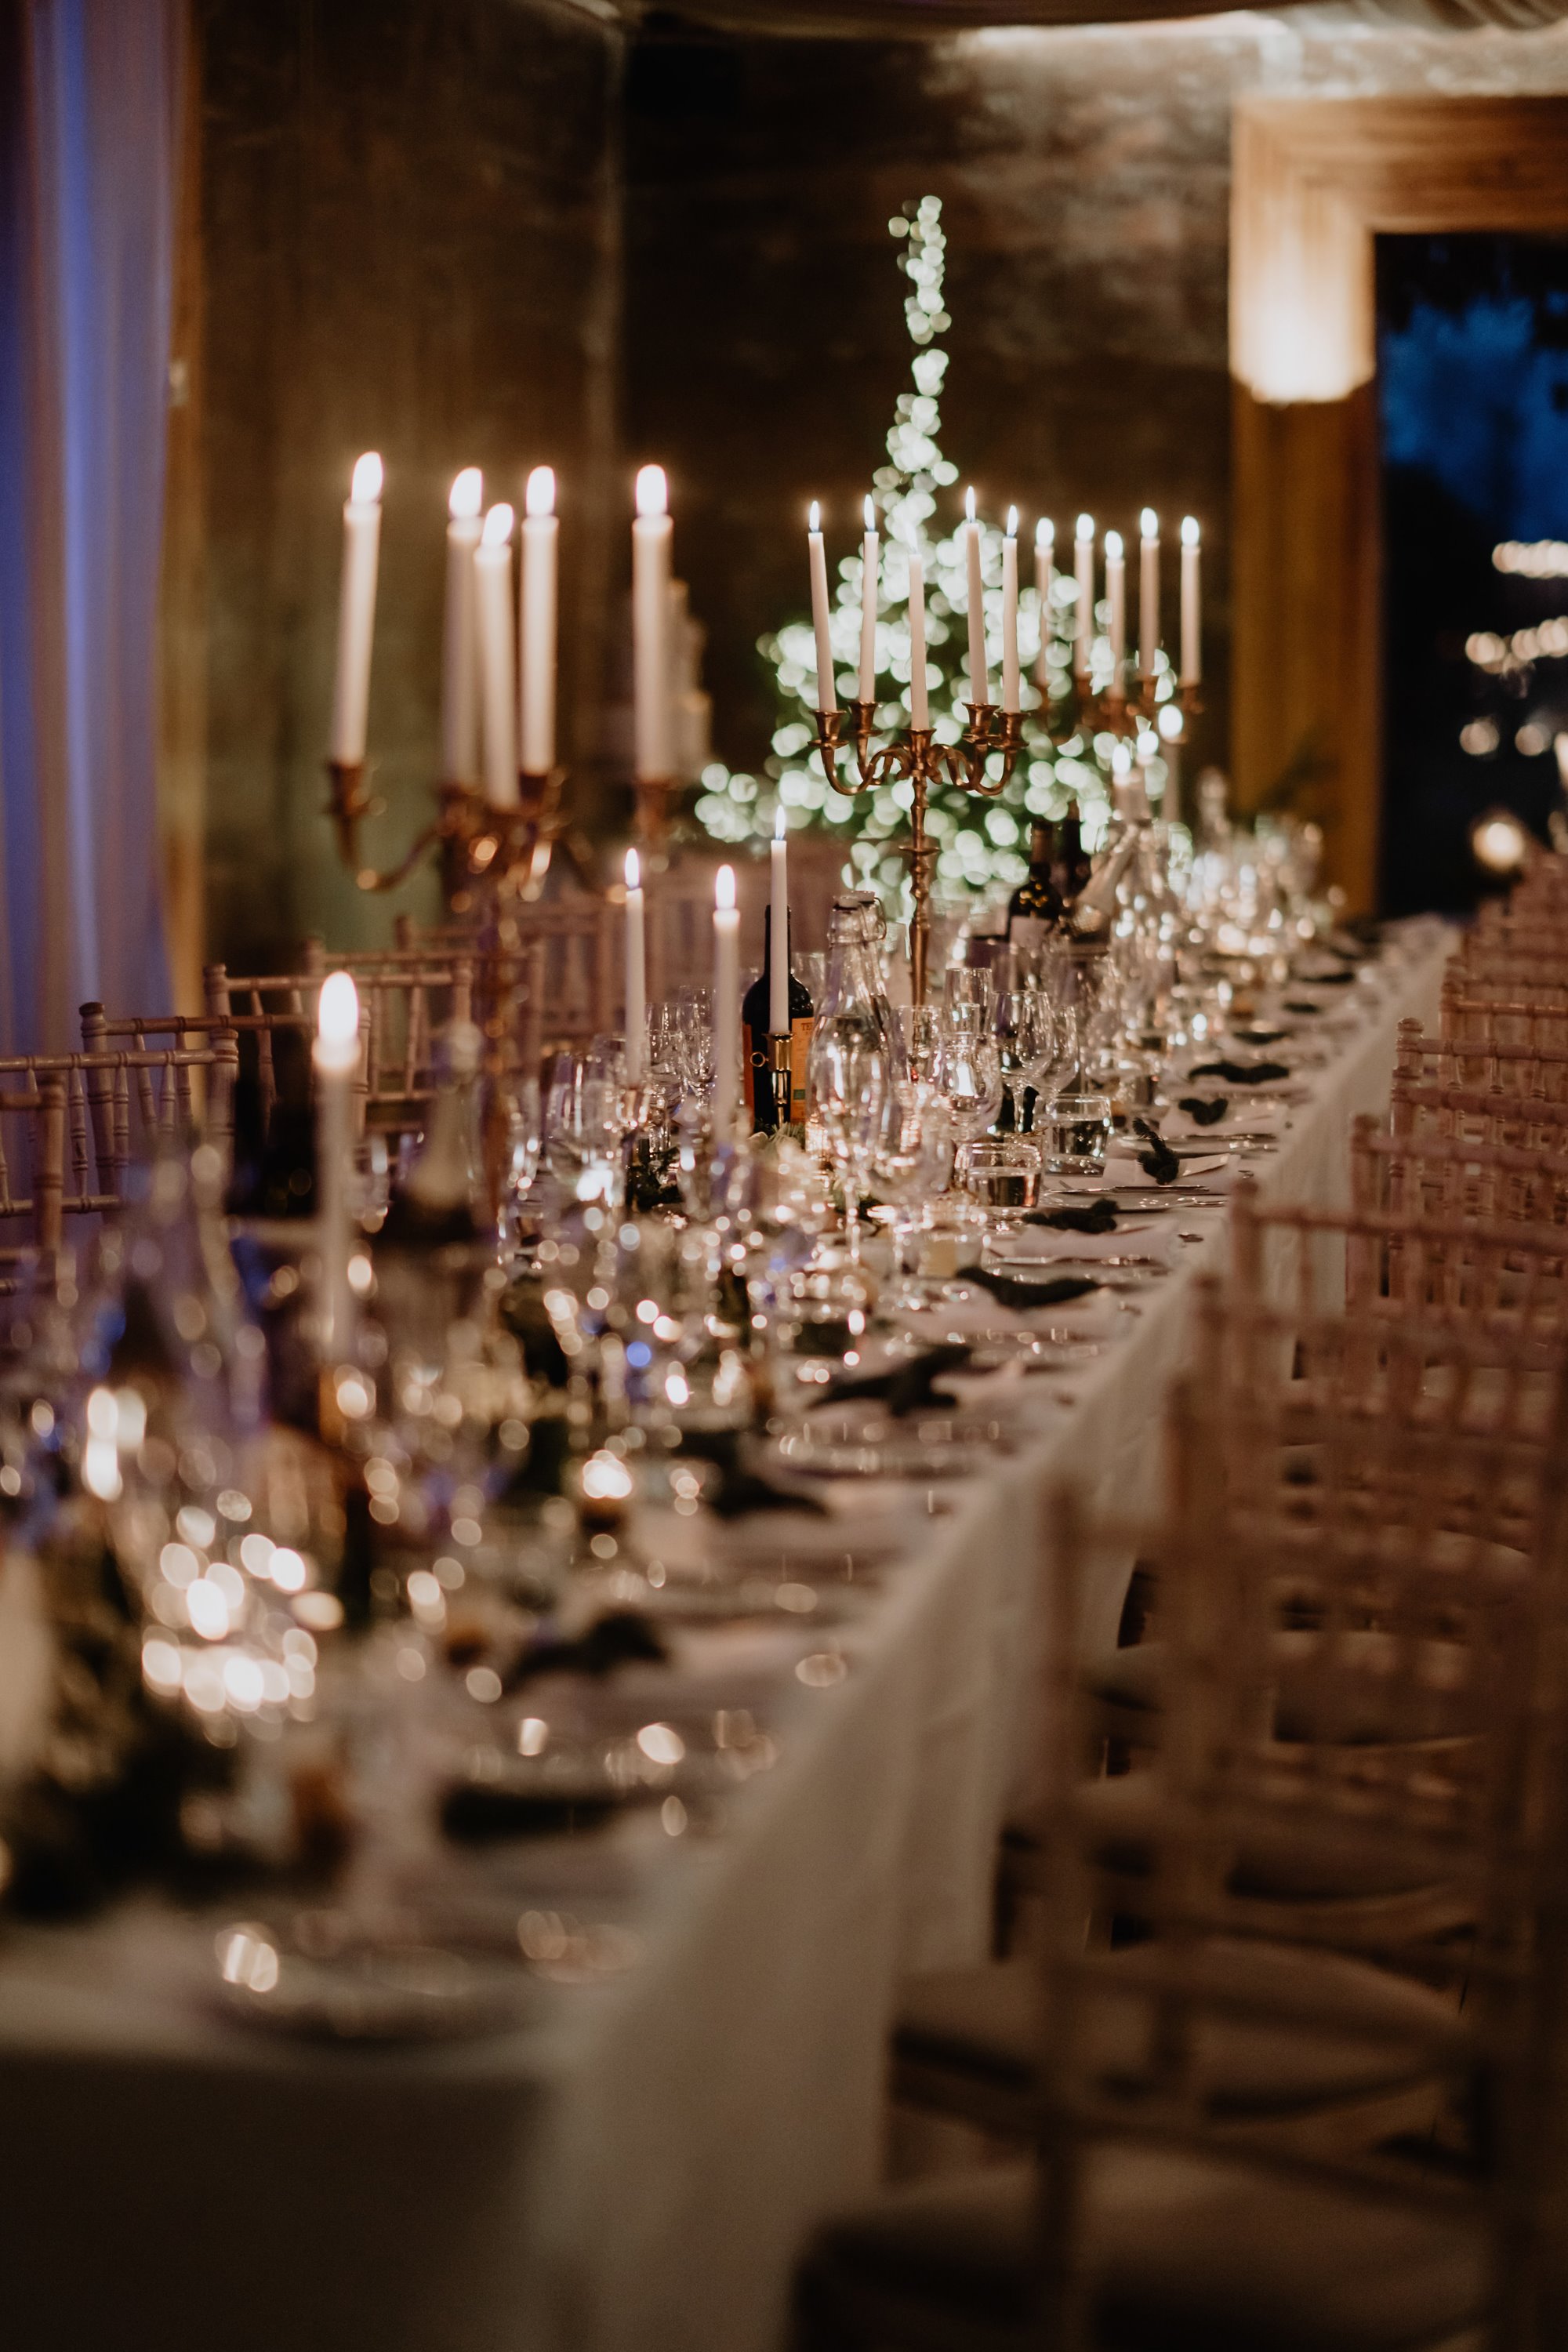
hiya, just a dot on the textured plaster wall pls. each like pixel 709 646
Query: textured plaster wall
pixel 410 242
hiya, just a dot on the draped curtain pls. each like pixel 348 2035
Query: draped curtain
pixel 89 93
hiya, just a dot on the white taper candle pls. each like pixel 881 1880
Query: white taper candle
pixel 726 1004
pixel 1148 593
pixel 1192 618
pixel 335 1057
pixel 357 612
pixel 537 626
pixel 1011 693
pixel 460 651
pixel 1083 613
pixel 497 688
pixel 817 557
pixel 653 717
pixel 637 972
pixel 1115 597
pixel 778 966
pixel 869 596
pixel 1044 579
pixel 979 677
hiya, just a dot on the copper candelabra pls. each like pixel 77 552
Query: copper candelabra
pixel 916 758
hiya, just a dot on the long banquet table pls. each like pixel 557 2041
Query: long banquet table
pixel 633 2168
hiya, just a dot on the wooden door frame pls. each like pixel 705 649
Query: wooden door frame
pixel 1313 182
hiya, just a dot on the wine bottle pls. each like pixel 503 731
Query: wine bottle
pixel 754 1008
pixel 1074 864
pixel 1035 908
pixel 440 1199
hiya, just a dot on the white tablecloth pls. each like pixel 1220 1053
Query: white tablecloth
pixel 634 2170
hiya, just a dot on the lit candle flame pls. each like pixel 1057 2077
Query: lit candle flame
pixel 539 497
pixel 1044 532
pixel 1113 547
pixel 366 489
pixel 1011 522
pixel 1189 531
pixel 813 517
pixel 652 491
pixel 779 825
pixel 724 889
pixel 1151 523
pixel 969 504
pixel 337 1013
pixel 633 870
pixel 870 511
pixel 1085 526
pixel 498 527
pixel 467 495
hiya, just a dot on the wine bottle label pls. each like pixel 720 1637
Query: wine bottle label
pixel 760 1053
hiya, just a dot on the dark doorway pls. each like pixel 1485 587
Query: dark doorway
pixel 1472 337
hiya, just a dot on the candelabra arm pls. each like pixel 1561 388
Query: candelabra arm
pixel 653 799
pixel 989 729
pixel 348 805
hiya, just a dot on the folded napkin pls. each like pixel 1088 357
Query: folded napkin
pixel 1292 1004
pixel 1202 1112
pixel 1099 1217
pixel 611 1640
pixel 1270 1036
pixel 1009 1292
pixel 1159 1161
pixel 741 1490
pixel 907 1387
pixel 1241 1074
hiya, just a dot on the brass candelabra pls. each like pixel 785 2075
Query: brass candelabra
pixel 475 843
pixel 916 758
pixel 504 852
pixel 1111 710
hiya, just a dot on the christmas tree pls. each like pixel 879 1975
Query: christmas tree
pixel 981 844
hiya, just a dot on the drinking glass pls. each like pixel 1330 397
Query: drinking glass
pixel 1027 1030
pixel 970 986
pixel 912 1165
pixel 1074 1132
pixel 970 1078
pixel 918 1031
pixel 850 1077
pixel 1003 1176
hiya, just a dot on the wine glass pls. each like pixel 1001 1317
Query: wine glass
pixel 912 1162
pixel 970 1078
pixel 851 1080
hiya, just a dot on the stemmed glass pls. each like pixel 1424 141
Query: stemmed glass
pixel 970 1078
pixel 912 1162
pixel 850 1078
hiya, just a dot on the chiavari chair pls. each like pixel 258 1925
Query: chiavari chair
pixel 1491 1065
pixel 1332 1431
pixel 1148 2220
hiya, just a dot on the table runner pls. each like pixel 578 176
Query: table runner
pixel 635 2169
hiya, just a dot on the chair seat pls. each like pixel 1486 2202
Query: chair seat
pixel 1186 2253
pixel 1370 2032
pixel 1373 1701
pixel 1302 1862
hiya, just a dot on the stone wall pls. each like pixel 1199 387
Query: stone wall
pixel 1085 181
